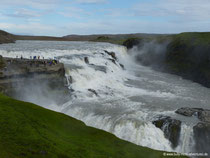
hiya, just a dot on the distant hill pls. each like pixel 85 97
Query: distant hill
pixel 44 38
pixel 111 38
pixel 6 37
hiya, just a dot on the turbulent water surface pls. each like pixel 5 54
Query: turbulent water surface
pixel 121 101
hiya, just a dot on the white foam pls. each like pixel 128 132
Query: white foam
pixel 186 143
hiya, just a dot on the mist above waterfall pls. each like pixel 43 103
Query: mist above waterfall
pixel 150 53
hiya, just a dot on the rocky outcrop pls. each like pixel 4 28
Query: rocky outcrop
pixel 20 77
pixel 93 91
pixel 112 54
pixel 6 37
pixel 170 127
pixel 114 58
pixel 2 62
pixel 86 60
pixel 201 130
pixel 189 111
pixel 202 137
pixel 202 114
pixel 131 42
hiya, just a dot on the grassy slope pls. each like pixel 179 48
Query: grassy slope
pixel 195 38
pixel 27 130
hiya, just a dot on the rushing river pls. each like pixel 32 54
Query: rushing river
pixel 121 101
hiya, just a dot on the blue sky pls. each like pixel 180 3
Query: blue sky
pixel 63 17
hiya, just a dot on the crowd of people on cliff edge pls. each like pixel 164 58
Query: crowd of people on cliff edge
pixel 44 62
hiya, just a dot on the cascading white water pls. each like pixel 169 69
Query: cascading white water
pixel 186 143
pixel 121 101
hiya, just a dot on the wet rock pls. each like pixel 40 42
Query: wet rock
pixel 23 73
pixel 99 68
pixel 2 62
pixel 202 114
pixel 131 42
pixel 112 60
pixel 86 60
pixel 170 127
pixel 93 91
pixel 122 66
pixel 69 80
pixel 112 54
pixel 202 137
pixel 189 111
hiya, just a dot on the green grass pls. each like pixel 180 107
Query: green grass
pixel 27 130
pixel 188 55
pixel 194 38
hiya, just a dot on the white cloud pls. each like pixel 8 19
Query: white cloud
pixel 37 4
pixel 180 9
pixel 90 1
pixel 35 28
pixel 74 12
pixel 157 16
pixel 25 13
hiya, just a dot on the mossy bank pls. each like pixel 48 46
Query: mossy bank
pixel 188 55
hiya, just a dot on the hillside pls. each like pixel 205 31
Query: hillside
pixel 188 55
pixel 28 130
pixel 6 37
pixel 110 38
pixel 42 38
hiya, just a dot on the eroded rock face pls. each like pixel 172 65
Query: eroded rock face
pixel 170 127
pixel 202 137
pixel 189 111
pixel 201 130
pixel 93 91
pixel 112 54
pixel 20 78
pixel 114 59
pixel 2 62
pixel 131 42
pixel 202 114
pixel 86 60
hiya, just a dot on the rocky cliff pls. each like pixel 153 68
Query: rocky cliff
pixel 21 78
pixel 202 129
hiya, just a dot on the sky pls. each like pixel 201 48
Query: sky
pixel 65 17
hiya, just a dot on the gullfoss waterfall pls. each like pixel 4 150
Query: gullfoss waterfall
pixel 109 90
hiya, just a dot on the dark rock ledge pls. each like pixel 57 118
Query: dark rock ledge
pixel 202 129
pixel 171 128
pixel 32 77
pixel 201 114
